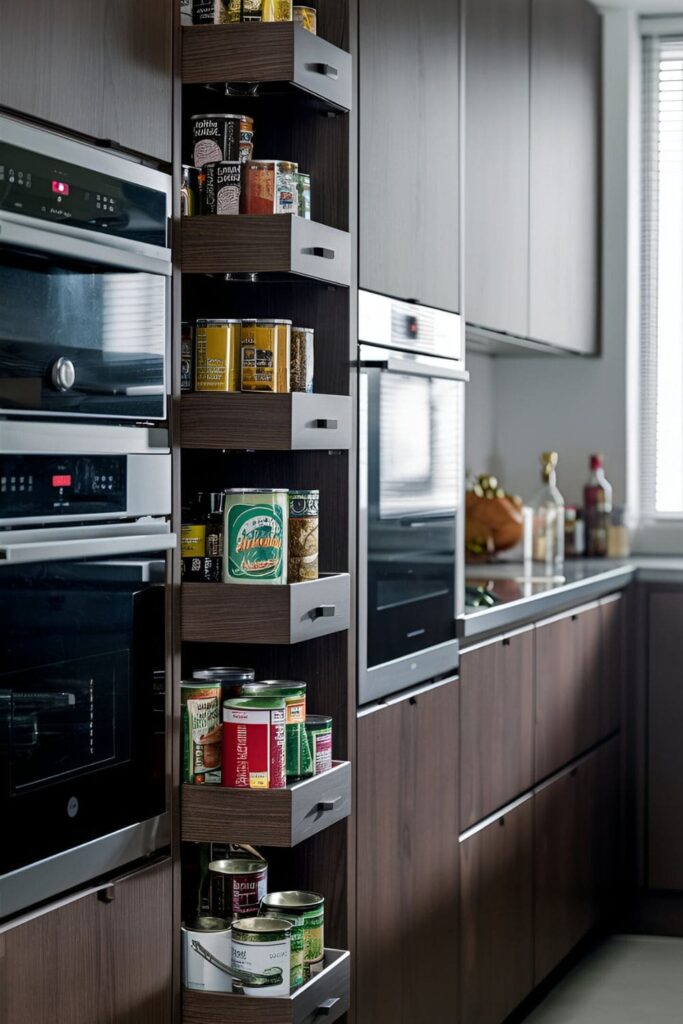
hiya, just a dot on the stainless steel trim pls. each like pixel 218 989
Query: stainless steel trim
pixel 400 698
pixel 415 368
pixel 496 816
pixel 375 324
pixel 40 437
pixel 16 548
pixel 34 883
pixel 401 673
pixel 498 639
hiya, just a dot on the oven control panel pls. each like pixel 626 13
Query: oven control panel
pixel 48 485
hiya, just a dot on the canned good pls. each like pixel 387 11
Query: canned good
pixel 298 761
pixel 252 10
pixel 270 186
pixel 266 353
pixel 192 540
pixel 303 189
pixel 286 187
pixel 200 708
pixel 277 10
pixel 255 536
pixel 231 679
pixel 302 560
pixel 307 17
pixel 186 356
pixel 319 732
pixel 311 907
pixel 262 945
pixel 254 743
pixel 296 975
pixel 201 570
pixel 206 936
pixel 217 366
pixel 215 137
pixel 189 191
pixel 237 886
pixel 246 138
pixel 222 187
pixel 301 359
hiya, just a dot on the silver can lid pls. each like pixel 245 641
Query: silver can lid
pixel 294 899
pixel 206 924
pixel 237 866
pixel 256 490
pixel 262 925
pixel 219 117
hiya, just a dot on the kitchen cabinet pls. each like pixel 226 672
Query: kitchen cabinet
pixel 611 686
pixel 497 164
pixel 102 70
pixel 564 231
pixel 409 182
pixel 407 833
pixel 496 875
pixel 665 749
pixel 496 725
pixel 105 956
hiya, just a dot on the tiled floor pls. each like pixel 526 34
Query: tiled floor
pixel 631 979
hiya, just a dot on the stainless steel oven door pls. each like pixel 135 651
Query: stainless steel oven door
pixel 410 523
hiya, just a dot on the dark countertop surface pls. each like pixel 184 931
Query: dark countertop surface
pixel 523 598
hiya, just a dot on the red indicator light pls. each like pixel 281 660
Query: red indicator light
pixel 61 481
pixel 60 187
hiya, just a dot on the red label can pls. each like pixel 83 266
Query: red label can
pixel 237 887
pixel 254 743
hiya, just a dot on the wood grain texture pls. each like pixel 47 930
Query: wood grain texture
pixel 613 651
pixel 275 817
pixel 496 726
pixel 250 613
pixel 496 940
pixel 408 860
pixel 265 422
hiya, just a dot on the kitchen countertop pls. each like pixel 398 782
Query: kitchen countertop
pixel 523 599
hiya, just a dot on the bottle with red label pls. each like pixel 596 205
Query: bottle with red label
pixel 597 497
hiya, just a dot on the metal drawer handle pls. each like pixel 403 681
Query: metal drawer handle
pixel 325 611
pixel 321 251
pixel 326 424
pixel 329 805
pixel 328 70
pixel 326 1008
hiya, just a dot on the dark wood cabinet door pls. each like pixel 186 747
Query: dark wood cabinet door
pixel 496 941
pixel 609 847
pixel 497 164
pixel 564 246
pixel 568 687
pixel 101 69
pixel 103 958
pixel 613 663
pixel 496 725
pixel 407 829
pixel 409 81
pixel 665 756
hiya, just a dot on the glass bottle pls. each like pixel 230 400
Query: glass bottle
pixel 548 511
pixel 597 499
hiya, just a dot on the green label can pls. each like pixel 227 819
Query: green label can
pixel 297 936
pixel 262 946
pixel 255 537
pixel 311 907
pixel 319 732
pixel 298 759
pixel 202 733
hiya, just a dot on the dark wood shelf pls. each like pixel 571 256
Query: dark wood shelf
pixel 325 996
pixel 238 613
pixel 279 244
pixel 279 54
pixel 267 817
pixel 262 422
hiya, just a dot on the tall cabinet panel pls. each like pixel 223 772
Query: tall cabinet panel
pixel 407 826
pixel 564 265
pixel 497 164
pixel 409 77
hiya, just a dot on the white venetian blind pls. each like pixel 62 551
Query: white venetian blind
pixel 661 362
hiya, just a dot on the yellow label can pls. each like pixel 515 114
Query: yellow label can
pixel 266 349
pixel 217 365
pixel 277 10
pixel 192 540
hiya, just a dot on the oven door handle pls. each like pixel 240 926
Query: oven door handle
pixel 62 549
pixel 411 369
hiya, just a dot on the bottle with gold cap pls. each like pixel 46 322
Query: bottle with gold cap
pixel 548 518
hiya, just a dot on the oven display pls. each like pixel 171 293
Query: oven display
pixel 44 485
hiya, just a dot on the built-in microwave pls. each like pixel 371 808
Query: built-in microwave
pixel 85 268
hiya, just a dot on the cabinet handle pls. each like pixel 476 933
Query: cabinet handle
pixel 325 611
pixel 321 251
pixel 506 641
pixel 107 895
pixel 326 424
pixel 501 822
pixel 326 1008
pixel 329 805
pixel 328 70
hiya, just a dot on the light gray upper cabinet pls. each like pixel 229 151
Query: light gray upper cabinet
pixel 497 164
pixel 564 249
pixel 409 216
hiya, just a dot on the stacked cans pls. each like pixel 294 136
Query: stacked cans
pixel 226 12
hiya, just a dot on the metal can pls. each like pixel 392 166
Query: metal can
pixel 215 137
pixel 277 10
pixel 296 976
pixel 222 187
pixel 230 678
pixel 302 560
pixel 192 540
pixel 307 17
pixel 298 760
pixel 201 732
pixel 266 353
pixel 212 936
pixel 189 191
pixel 201 569
pixel 252 10
pixel 217 362
pixel 186 356
pixel 254 743
pixel 270 186
pixel 215 12
pixel 311 907
pixel 246 138
pixel 286 187
pixel 301 359
pixel 262 945
pixel 255 536
pixel 303 189
pixel 319 732
pixel 237 886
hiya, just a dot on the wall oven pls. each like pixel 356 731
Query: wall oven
pixel 84 540
pixel 85 267
pixel 411 411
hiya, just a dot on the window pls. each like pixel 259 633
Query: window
pixel 661 369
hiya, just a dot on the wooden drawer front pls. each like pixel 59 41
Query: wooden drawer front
pixel 496 725
pixel 613 663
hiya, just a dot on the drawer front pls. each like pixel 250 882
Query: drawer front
pixel 317 611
